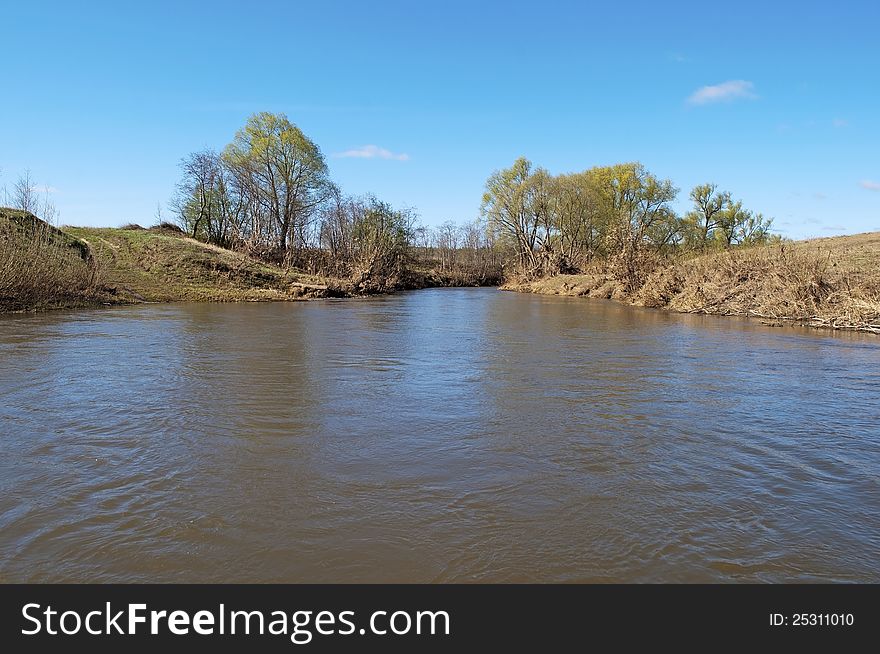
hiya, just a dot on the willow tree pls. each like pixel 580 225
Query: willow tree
pixel 710 208
pixel 739 226
pixel 717 219
pixel 638 214
pixel 517 205
pixel 381 237
pixel 634 203
pixel 577 216
pixel 284 174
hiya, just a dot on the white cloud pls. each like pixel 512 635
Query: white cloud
pixel 44 189
pixel 371 152
pixel 724 92
pixel 840 122
pixel 868 184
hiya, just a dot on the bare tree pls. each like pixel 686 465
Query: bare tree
pixel 24 194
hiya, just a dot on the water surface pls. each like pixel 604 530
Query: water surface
pixel 440 435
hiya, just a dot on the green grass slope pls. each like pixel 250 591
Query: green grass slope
pixel 157 265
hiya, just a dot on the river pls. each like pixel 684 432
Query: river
pixel 446 435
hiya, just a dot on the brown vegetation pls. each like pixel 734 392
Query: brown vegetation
pixel 831 283
pixel 42 267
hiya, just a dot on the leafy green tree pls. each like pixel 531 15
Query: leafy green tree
pixel 739 226
pixel 730 220
pixel 381 237
pixel 516 204
pixel 635 201
pixel 283 171
pixel 577 219
pixel 754 229
pixel 707 215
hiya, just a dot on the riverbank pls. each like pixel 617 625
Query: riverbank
pixel 47 268
pixel 829 283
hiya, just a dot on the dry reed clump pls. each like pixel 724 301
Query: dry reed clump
pixel 40 266
pixel 782 282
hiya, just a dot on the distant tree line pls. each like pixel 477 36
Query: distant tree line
pixel 620 214
pixel 269 192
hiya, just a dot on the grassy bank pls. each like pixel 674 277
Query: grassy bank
pixel 161 265
pixel 830 283
pixel 42 267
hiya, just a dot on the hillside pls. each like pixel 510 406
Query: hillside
pixel 160 265
pixel 42 267
pixel 827 282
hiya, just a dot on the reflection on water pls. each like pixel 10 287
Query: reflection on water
pixel 441 435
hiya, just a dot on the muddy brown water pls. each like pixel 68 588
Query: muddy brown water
pixel 440 435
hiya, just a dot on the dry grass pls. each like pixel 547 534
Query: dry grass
pixel 832 283
pixel 41 267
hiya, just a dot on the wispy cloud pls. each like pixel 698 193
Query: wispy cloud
pixel 868 184
pixel 677 57
pixel 725 92
pixel 372 152
pixel 840 122
pixel 45 189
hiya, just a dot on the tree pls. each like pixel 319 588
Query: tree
pixel 638 217
pixel 283 172
pixel 516 204
pixel 207 205
pixel 739 226
pixel 756 229
pixel 381 237
pixel 447 244
pixel 709 207
pixel 24 194
pixel 730 220
pixel 576 216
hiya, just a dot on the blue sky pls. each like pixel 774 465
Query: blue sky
pixel 777 102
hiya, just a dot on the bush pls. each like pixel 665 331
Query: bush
pixel 41 266
pixel 166 226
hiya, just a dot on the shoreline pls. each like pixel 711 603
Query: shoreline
pixel 558 285
pixel 83 267
pixel 111 301
pixel 829 284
